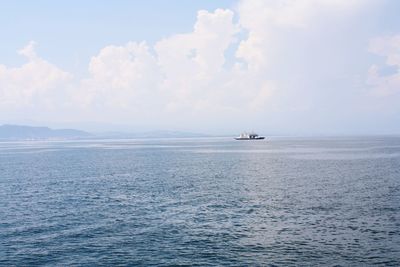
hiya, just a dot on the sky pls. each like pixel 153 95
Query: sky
pixel 290 67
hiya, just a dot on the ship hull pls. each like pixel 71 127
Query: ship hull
pixel 246 138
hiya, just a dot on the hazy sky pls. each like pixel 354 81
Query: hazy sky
pixel 276 67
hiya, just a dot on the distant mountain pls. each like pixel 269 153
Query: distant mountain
pixel 20 132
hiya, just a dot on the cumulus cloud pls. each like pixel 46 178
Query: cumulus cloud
pixel 193 63
pixel 291 13
pixel 254 59
pixel 120 77
pixel 264 20
pixel 31 83
pixel 183 73
pixel 388 47
pixel 29 51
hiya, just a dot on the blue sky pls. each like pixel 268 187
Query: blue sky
pixel 277 67
pixel 81 28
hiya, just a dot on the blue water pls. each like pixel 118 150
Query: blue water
pixel 281 202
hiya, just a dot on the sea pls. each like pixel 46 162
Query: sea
pixel 283 201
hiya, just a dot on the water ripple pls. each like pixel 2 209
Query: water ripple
pixel 284 202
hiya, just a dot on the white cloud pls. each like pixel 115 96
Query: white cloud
pixel 265 20
pixel 120 77
pixel 268 58
pixel 186 75
pixel 388 47
pixel 200 52
pixel 291 13
pixel 193 63
pixel 31 83
pixel 29 51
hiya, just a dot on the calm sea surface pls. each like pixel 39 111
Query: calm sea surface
pixel 281 202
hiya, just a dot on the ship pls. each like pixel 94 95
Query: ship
pixel 249 136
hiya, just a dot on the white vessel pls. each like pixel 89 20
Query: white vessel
pixel 249 136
